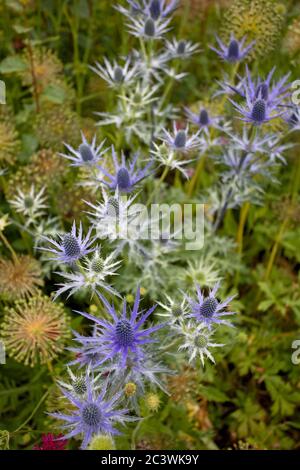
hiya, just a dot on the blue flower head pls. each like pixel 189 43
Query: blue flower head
pixel 118 338
pixel 208 310
pixel 234 51
pixel 125 177
pixel 71 246
pixel 86 154
pixel 92 414
pixel 155 9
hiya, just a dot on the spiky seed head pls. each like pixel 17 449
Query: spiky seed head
pixel 86 152
pixel 123 178
pixel 233 51
pixel 203 117
pixel 70 245
pixel 201 341
pixel 124 333
pixel 152 401
pixel 149 28
pixel 102 442
pixel 155 10
pixel 258 113
pixel 91 414
pixel 79 385
pixel 181 47
pixel 180 139
pixel 130 389
pixel 262 91
pixel 208 308
pixel 118 74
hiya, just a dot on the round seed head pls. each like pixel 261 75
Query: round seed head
pixel 130 389
pixel 124 333
pixel 123 179
pixel 86 153
pixel 258 113
pixel 180 139
pixel 91 414
pixel 208 308
pixel 149 28
pixel 71 245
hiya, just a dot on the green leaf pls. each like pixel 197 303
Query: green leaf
pixel 12 64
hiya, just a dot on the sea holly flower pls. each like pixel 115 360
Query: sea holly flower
pixel 154 9
pixel 86 154
pixel 234 51
pixel 205 121
pixel 165 157
pixel 273 95
pixel 78 384
pixel 116 75
pixel 208 310
pixel 197 341
pixel 30 204
pixel 71 246
pixel 180 49
pixel 92 414
pixel 91 276
pixel 125 177
pixel 148 28
pixel 122 335
pixel 256 112
pixel 292 118
pixel 173 310
pixel 179 140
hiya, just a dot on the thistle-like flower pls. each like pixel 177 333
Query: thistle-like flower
pixel 180 141
pixel 125 178
pixel 71 246
pixel 93 414
pixel 180 49
pixel 205 121
pixel 174 311
pixel 254 90
pixel 78 384
pixel 35 331
pixel 21 277
pixel 234 51
pixel 116 75
pixel 292 118
pixel 86 154
pixel 154 9
pixel 91 276
pixel 197 341
pixel 147 28
pixel 209 310
pixel 257 112
pixel 123 335
pixel 30 204
pixel 166 157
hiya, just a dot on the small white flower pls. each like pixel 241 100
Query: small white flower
pixel 116 75
pixel 179 140
pixel 174 311
pixel 181 49
pixel 86 154
pixel 30 204
pixel 197 341
pixel 147 28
